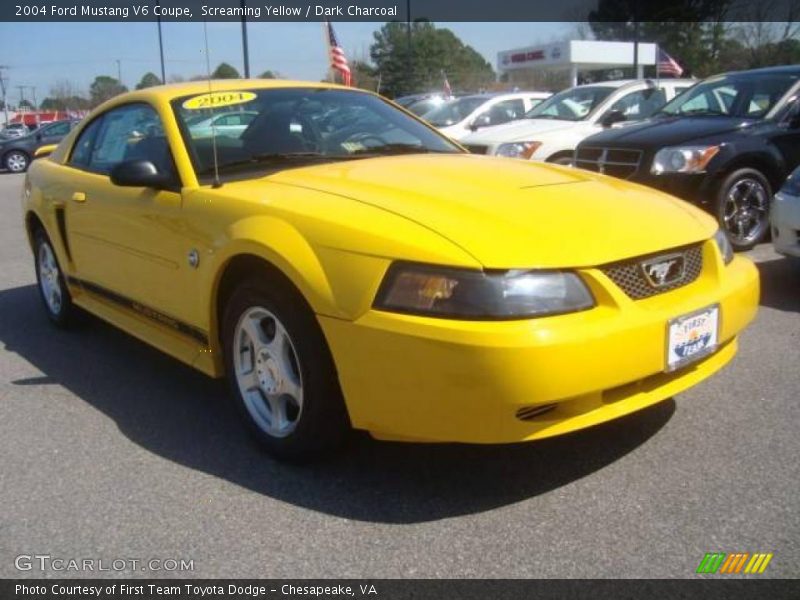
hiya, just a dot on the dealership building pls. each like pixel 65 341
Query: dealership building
pixel 573 56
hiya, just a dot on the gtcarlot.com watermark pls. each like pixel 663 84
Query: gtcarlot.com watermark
pixel 46 562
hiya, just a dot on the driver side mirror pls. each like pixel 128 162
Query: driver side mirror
pixel 480 121
pixel 612 117
pixel 141 173
pixel 43 151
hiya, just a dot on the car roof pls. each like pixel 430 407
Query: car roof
pixel 781 70
pixel 171 91
pixel 617 83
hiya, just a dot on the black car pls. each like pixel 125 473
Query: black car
pixel 725 144
pixel 16 154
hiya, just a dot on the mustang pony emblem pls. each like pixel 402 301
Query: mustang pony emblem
pixel 664 270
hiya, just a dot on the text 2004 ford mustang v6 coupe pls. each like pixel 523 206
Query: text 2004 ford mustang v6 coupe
pixel 347 266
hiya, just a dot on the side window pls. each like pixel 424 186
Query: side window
pixel 640 104
pixel 131 132
pixel 82 149
pixel 58 129
pixel 505 111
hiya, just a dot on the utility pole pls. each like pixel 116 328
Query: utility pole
pixel 409 66
pixel 35 106
pixel 3 90
pixel 245 50
pixel 119 71
pixel 635 39
pixel 21 89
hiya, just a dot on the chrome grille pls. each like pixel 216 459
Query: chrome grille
pixel 630 276
pixel 477 148
pixel 617 162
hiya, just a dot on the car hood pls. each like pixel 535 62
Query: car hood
pixel 519 131
pixel 508 213
pixel 668 131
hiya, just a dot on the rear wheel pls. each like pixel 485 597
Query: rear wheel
pixel 52 288
pixel 16 161
pixel 281 371
pixel 742 207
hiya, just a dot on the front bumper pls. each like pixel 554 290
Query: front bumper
pixel 785 217
pixel 426 379
pixel 697 188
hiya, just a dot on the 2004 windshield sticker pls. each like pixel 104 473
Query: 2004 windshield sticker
pixel 217 99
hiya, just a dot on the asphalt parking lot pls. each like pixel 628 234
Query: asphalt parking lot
pixel 111 450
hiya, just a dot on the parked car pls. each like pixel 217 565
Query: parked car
pixel 726 145
pixel 785 216
pixel 552 130
pixel 16 154
pixel 462 116
pixel 230 124
pixel 425 105
pixel 14 130
pixel 375 275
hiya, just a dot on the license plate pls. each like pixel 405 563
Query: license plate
pixel 692 336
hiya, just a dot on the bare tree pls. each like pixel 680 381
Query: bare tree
pixel 761 36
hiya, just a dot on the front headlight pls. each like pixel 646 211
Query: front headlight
pixel 792 185
pixel 518 149
pixel 724 245
pixel 683 159
pixel 468 294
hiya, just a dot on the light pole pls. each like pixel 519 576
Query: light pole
pixel 119 71
pixel 3 90
pixel 161 46
pixel 245 50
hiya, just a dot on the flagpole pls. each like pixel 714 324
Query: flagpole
pixel 327 42
pixel 658 71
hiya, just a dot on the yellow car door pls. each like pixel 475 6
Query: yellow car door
pixel 128 242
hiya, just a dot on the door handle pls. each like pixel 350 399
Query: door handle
pixel 79 197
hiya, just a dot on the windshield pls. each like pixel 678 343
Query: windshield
pixel 574 104
pixel 748 96
pixel 258 130
pixel 454 111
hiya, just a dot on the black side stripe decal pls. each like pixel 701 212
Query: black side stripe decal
pixel 145 311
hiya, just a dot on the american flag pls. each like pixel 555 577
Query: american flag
pixel 668 65
pixel 337 57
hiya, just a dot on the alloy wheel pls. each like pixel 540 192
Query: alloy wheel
pixel 49 279
pixel 268 372
pixel 16 162
pixel 745 211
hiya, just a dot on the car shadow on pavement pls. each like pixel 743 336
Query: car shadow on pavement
pixel 780 284
pixel 182 416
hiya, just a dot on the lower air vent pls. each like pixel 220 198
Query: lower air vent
pixel 528 413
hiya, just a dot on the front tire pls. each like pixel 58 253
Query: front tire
pixel 52 288
pixel 281 372
pixel 742 207
pixel 16 161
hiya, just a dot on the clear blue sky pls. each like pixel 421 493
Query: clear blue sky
pixel 40 53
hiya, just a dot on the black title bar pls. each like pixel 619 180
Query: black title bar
pixel 394 589
pixel 392 10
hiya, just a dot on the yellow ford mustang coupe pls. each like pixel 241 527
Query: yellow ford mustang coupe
pixel 347 266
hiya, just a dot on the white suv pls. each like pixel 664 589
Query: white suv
pixel 552 130
pixel 466 114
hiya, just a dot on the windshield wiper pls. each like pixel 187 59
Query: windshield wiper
pixel 274 158
pixel 398 148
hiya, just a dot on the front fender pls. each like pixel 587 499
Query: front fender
pixel 280 244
